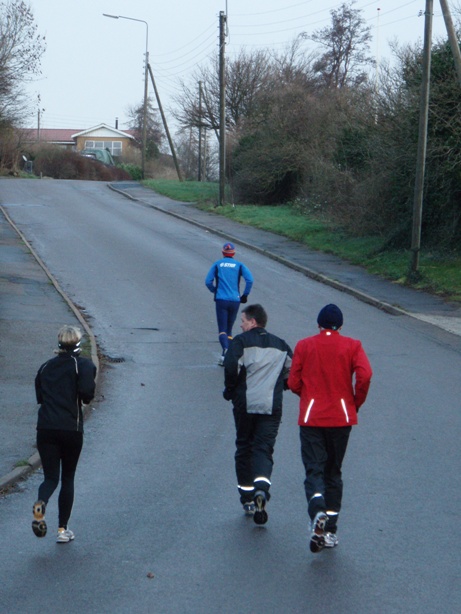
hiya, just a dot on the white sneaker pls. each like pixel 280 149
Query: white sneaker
pixel 64 536
pixel 330 540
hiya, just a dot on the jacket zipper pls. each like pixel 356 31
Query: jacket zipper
pixel 78 407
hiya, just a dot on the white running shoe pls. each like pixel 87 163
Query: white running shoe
pixel 64 536
pixel 330 540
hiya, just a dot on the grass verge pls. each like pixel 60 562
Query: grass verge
pixel 439 273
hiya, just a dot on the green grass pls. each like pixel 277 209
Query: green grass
pixel 439 273
pixel 186 191
pixel 21 463
pixel 86 347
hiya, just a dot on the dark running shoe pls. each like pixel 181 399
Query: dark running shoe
pixel 260 515
pixel 249 508
pixel 317 542
pixel 38 523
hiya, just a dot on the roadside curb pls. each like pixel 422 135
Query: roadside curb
pixel 33 462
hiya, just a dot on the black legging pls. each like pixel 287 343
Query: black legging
pixel 59 450
pixel 322 451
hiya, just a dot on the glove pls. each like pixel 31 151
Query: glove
pixel 228 394
pixel 244 298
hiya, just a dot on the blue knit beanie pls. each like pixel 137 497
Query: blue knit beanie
pixel 228 250
pixel 330 317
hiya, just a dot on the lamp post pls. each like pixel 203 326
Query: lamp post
pixel 146 81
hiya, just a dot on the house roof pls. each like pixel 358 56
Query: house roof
pixel 68 136
pixel 50 135
pixel 103 130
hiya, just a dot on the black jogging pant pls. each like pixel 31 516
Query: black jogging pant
pixel 59 452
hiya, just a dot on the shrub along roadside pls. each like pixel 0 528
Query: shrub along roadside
pixel 440 272
pixel 63 164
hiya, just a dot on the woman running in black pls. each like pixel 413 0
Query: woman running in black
pixel 62 384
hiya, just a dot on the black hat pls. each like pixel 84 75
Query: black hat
pixel 330 317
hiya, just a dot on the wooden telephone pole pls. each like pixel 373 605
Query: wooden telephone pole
pixel 423 119
pixel 422 139
pixel 165 125
pixel 222 108
pixel 452 37
pixel 200 132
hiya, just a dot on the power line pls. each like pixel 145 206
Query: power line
pixel 172 53
pixel 285 8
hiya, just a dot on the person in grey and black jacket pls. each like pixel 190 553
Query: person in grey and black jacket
pixel 256 369
pixel 62 384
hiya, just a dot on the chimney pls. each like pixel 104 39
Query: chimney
pixel 116 123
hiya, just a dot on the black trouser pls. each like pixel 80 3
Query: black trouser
pixel 59 452
pixel 256 434
pixel 322 451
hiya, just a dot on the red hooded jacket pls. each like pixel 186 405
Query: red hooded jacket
pixel 322 375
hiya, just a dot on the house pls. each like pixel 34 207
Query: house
pixel 118 142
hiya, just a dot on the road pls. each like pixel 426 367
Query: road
pixel 157 520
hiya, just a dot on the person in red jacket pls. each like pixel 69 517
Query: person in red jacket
pixel 331 374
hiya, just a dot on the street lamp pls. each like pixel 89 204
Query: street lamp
pixel 146 76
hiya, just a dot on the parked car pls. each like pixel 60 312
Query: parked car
pixel 102 155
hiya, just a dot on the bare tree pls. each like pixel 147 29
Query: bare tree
pixel 21 49
pixel 346 42
pixel 245 76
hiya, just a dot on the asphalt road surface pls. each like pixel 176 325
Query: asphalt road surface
pixel 158 524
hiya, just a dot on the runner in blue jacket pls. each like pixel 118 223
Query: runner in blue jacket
pixel 223 280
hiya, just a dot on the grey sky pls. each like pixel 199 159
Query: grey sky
pixel 93 66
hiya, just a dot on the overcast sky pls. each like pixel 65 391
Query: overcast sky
pixel 92 70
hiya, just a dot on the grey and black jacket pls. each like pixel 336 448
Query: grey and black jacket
pixel 256 367
pixel 62 384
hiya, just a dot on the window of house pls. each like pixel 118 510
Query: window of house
pixel 115 147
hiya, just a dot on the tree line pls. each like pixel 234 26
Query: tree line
pixel 328 132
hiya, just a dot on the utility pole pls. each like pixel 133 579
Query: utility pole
pixel 200 131
pixel 211 116
pixel 146 83
pixel 165 125
pixel 452 37
pixel 422 139
pixel 205 154
pixel 378 59
pixel 144 116
pixel 222 108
